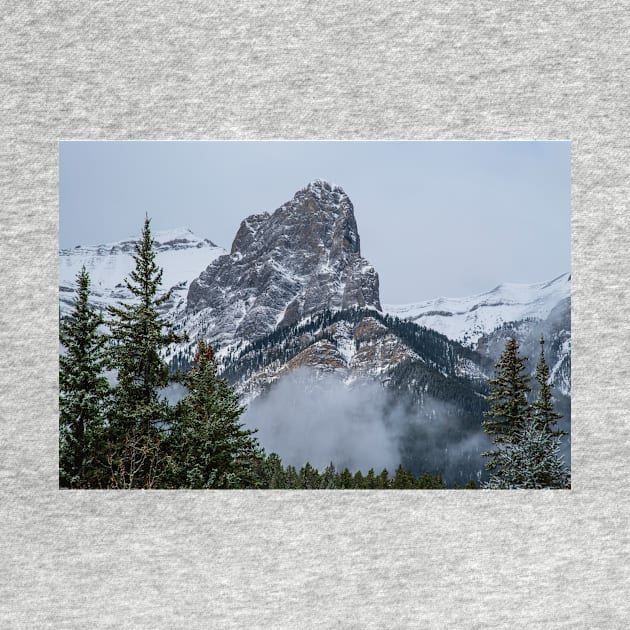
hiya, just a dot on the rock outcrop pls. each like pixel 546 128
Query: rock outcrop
pixel 300 260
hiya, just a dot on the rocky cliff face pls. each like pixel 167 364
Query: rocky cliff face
pixel 353 345
pixel 300 260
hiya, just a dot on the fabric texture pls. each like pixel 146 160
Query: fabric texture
pixel 305 70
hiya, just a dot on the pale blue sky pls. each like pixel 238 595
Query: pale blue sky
pixel 435 218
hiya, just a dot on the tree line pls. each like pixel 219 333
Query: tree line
pixel 122 432
pixel 278 476
pixel 118 430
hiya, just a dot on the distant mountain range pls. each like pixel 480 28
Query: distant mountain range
pixel 295 296
pixel 467 319
pixel 180 253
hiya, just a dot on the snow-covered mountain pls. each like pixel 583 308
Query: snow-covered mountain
pixel 181 254
pixel 355 345
pixel 294 296
pixel 467 319
pixel 301 259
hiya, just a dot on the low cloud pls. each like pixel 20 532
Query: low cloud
pixel 308 416
pixel 317 418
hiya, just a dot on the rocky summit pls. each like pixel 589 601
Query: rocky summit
pixel 301 259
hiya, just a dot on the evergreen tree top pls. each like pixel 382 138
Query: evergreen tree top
pixel 543 408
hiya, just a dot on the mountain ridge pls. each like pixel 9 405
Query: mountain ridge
pixel 294 301
pixel 179 252
pixel 467 319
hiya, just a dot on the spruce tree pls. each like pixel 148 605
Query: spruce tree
pixel 544 413
pixel 210 448
pixel 359 480
pixel 509 410
pixel 138 334
pixel 329 478
pixel 427 481
pixel 403 479
pixel 345 480
pixel 370 479
pixel 309 477
pixel 275 476
pixel 291 478
pixel 531 461
pixel 83 394
pixel 383 482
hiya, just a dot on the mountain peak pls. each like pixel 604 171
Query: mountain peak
pixel 324 185
pixel 178 238
pixel 330 195
pixel 302 258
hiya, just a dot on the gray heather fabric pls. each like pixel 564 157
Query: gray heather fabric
pixel 314 70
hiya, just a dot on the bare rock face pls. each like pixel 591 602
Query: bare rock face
pixel 302 259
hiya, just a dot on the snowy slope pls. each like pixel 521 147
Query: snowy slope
pixel 181 254
pixel 467 319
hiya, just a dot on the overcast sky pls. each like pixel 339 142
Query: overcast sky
pixel 435 218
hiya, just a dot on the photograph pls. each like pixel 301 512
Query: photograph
pixel 315 315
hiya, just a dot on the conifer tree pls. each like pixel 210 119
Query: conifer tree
pixel 138 334
pixel 370 479
pixel 403 479
pixel 329 478
pixel 509 410
pixel 83 394
pixel 210 448
pixel 276 477
pixel 531 461
pixel 427 481
pixel 345 480
pixel 544 413
pixel 309 478
pixel 359 480
pixel 291 478
pixel 383 481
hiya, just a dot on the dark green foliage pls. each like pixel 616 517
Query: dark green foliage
pixel 509 409
pixel 383 481
pixel 139 414
pixel 209 447
pixel 83 394
pixel 359 481
pixel 403 480
pixel 543 410
pixel 428 481
pixel 308 478
pixel 345 480
pixel 139 333
pixel 291 478
pixel 272 474
pixel 329 478
pixel 370 480
pixel 528 447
